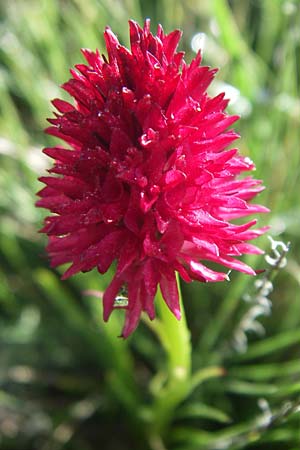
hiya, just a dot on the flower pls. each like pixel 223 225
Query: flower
pixel 146 180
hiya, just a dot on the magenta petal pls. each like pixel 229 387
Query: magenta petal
pixel 249 249
pixel 132 318
pixel 109 297
pixel 174 177
pixel 134 308
pixel 169 290
pixel 206 274
pixel 237 265
pixel 170 43
pixel 151 277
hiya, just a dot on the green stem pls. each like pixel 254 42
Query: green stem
pixel 175 338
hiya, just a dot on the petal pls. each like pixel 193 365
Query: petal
pixel 134 308
pixel 205 274
pixel 110 295
pixel 169 290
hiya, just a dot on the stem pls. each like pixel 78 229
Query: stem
pixel 175 338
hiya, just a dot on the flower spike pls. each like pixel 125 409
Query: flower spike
pixel 145 178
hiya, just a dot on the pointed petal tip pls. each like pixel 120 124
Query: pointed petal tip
pixel 259 271
pixel 106 315
pixel 177 313
pixel 122 336
pixel 151 314
pixel 130 326
pixel 134 22
pixel 109 33
pixel 265 209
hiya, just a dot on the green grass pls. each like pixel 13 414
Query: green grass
pixel 66 381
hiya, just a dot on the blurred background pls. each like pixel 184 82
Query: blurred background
pixel 66 381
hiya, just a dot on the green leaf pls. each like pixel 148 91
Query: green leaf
pixel 200 410
pixel 271 345
pixel 255 389
pixel 263 372
pixel 207 373
pixel 190 435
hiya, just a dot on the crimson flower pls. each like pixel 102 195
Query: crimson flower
pixel 146 180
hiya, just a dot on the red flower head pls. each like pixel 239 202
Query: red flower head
pixel 146 180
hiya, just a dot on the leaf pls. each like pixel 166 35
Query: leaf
pixel 264 372
pixel 200 410
pixel 288 390
pixel 271 345
pixel 190 435
pixel 205 374
pixel 246 388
